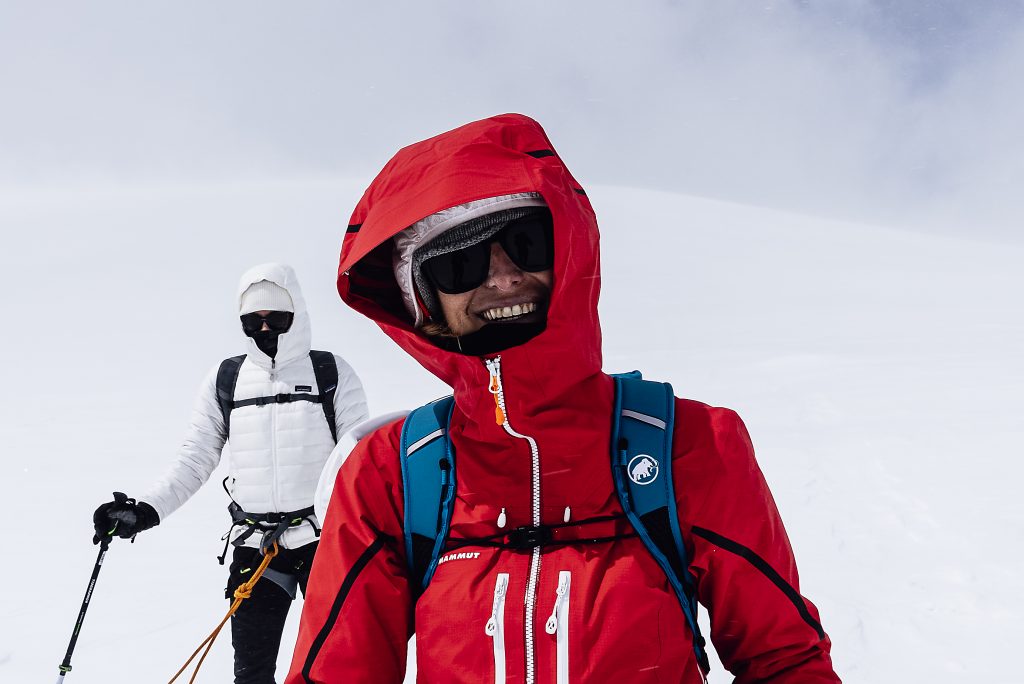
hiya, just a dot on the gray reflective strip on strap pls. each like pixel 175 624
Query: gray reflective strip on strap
pixel 644 418
pixel 420 443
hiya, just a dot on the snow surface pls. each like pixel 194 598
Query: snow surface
pixel 878 371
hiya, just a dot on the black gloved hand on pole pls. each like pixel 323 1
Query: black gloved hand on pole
pixel 123 517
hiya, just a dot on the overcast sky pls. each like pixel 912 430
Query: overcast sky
pixel 885 110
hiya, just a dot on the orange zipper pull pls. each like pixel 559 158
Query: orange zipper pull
pixel 495 389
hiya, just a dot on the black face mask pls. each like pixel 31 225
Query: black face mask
pixel 266 341
pixel 492 338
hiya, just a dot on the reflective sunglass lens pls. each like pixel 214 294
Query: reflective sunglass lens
pixel 459 271
pixel 528 243
pixel 251 323
pixel 279 321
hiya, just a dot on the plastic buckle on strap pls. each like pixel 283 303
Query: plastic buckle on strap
pixel 528 537
pixel 282 398
pixel 271 536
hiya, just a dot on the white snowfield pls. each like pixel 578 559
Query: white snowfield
pixel 879 372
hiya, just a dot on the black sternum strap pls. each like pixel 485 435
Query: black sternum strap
pixel 530 537
pixel 276 399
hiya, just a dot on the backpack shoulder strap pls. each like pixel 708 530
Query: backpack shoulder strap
pixel 428 487
pixel 642 431
pixel 325 368
pixel 227 378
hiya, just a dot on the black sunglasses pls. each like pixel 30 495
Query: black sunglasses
pixel 277 321
pixel 528 242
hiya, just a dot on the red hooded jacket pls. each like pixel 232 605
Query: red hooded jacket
pixel 485 615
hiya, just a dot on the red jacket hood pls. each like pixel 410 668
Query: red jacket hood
pixel 498 156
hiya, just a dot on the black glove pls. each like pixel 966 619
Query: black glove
pixel 122 517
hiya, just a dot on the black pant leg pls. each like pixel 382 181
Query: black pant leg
pixel 257 625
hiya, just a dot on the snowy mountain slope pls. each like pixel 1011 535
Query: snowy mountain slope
pixel 878 372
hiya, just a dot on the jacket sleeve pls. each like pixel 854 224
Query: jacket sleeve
pixel 357 615
pixel 198 455
pixel 349 399
pixel 762 628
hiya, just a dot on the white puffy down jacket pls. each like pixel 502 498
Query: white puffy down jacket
pixel 277 451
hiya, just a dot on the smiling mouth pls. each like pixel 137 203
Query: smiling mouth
pixel 504 313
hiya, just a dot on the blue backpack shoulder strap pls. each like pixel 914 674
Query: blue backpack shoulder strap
pixel 643 425
pixel 428 486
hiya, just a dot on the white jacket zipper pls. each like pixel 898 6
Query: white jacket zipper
pixel 558 624
pixel 496 388
pixel 495 627
pixel 274 471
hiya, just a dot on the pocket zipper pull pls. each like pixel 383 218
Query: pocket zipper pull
pixel 502 518
pixel 491 628
pixel 551 626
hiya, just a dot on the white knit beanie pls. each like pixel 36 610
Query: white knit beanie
pixel 265 296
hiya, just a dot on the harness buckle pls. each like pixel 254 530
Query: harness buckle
pixel 282 398
pixel 529 537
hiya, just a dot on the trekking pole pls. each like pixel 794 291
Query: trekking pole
pixel 65 666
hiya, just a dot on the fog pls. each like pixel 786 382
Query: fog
pixel 876 110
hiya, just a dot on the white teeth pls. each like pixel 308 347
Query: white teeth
pixel 509 311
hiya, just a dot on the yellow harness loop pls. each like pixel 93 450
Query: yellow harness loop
pixel 243 592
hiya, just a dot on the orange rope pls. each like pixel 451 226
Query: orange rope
pixel 241 593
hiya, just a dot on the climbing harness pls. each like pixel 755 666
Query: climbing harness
pixel 272 525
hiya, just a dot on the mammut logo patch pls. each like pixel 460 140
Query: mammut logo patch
pixel 643 469
pixel 303 388
pixel 459 556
